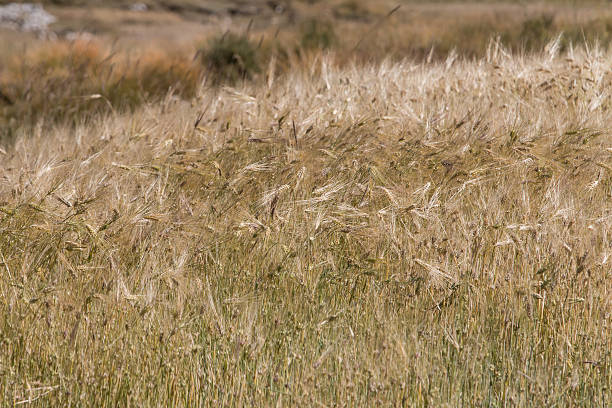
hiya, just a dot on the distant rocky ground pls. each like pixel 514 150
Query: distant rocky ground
pixel 232 7
pixel 171 21
pixel 66 16
pixel 374 28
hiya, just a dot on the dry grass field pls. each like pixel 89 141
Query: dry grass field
pixel 318 231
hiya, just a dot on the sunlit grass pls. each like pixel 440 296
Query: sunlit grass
pixel 391 234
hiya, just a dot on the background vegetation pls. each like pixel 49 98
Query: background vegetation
pixel 307 215
pixel 70 79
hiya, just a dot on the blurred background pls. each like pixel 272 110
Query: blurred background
pixel 377 26
pixel 126 52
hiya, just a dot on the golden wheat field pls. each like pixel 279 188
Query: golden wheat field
pixel 427 232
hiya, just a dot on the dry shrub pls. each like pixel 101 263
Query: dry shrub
pixel 70 80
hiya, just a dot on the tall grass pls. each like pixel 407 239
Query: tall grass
pixel 63 80
pixel 387 234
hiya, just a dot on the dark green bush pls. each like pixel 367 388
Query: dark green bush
pixel 232 57
pixel 352 10
pixel 316 34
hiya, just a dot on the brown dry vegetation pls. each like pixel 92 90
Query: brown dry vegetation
pixel 395 233
pixel 134 58
pixel 262 219
pixel 176 32
pixel 66 81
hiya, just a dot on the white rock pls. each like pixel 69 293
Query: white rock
pixel 25 17
pixel 139 7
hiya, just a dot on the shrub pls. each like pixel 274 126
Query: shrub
pixel 232 57
pixel 352 10
pixel 317 34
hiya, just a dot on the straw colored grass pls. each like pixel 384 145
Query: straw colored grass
pixel 69 80
pixel 394 234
